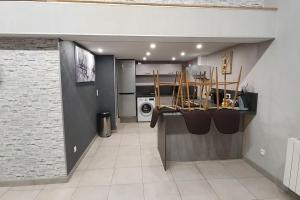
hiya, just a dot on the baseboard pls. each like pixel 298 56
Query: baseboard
pixel 82 157
pixel 275 180
pixel 63 179
pixel 128 119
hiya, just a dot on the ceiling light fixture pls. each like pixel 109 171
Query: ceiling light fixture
pixel 148 53
pixel 182 53
pixel 152 45
pixel 144 58
pixel 173 58
pixel 199 46
pixel 100 50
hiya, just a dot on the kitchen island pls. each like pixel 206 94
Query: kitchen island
pixel 176 143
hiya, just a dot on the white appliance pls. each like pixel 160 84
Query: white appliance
pixel 292 167
pixel 145 106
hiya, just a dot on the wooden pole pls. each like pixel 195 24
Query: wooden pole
pixel 181 91
pixel 158 88
pixel 217 88
pixel 173 93
pixel 188 92
pixel 179 85
pixel 225 90
pixel 155 92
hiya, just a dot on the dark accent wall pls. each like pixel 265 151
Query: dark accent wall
pixel 107 87
pixel 79 106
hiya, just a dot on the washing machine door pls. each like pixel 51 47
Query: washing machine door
pixel 146 109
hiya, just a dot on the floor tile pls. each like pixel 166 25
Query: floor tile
pixel 107 151
pixel 128 161
pixel 27 187
pixel 129 126
pixel 230 189
pixel 240 169
pixel 149 151
pixel 129 151
pixel 56 194
pixel 84 163
pixel 91 193
pixel 130 139
pixel 155 174
pixel 127 176
pixel 185 172
pixel 151 161
pixel 73 182
pixel 126 192
pixel 102 162
pixel 213 170
pixel 20 195
pixel 148 139
pixel 93 149
pixel 143 125
pixel 96 177
pixel 3 190
pixel 161 191
pixel 197 189
pixel 261 187
pixel 113 140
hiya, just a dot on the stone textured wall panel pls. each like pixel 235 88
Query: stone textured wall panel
pixel 31 126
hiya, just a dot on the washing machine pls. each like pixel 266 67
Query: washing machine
pixel 145 106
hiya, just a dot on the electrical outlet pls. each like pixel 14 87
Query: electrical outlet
pixel 75 149
pixel 262 152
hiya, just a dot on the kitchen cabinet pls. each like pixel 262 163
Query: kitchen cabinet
pixel 169 69
pixel 164 69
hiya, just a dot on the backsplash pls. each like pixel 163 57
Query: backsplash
pixel 31 125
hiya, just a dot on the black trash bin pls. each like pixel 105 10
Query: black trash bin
pixel 103 124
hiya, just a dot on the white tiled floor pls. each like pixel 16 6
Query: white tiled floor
pixel 127 166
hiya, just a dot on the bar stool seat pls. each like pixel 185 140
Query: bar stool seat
pixel 197 121
pixel 227 121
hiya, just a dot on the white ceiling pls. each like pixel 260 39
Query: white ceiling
pixel 164 51
pixel 135 47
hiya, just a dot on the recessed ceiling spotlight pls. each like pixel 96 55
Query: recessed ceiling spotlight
pixel 148 53
pixel 152 45
pixel 182 53
pixel 144 58
pixel 100 50
pixel 173 58
pixel 199 46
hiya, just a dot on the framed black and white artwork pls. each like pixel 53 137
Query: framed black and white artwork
pixel 84 65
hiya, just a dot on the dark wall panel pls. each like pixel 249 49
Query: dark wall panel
pixel 106 85
pixel 79 107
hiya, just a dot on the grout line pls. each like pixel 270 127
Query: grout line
pixel 174 181
pixel 9 189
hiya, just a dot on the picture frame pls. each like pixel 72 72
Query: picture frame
pixel 84 65
pixel 227 62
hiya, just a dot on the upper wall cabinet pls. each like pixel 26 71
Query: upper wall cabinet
pixel 163 69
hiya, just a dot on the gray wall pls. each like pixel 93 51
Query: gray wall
pixel 275 77
pixel 79 106
pixel 31 124
pixel 106 84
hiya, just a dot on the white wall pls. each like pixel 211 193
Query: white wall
pixel 275 78
pixel 245 55
pixel 45 18
pixel 31 124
